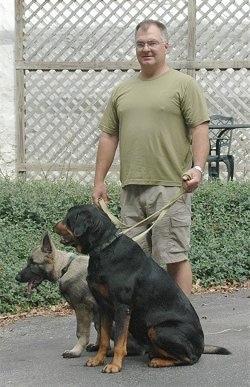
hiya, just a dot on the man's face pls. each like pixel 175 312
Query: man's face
pixel 153 53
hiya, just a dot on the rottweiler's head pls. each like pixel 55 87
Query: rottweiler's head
pixel 84 227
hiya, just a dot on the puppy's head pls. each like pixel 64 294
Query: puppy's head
pixel 40 265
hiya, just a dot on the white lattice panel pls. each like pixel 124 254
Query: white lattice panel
pixel 80 30
pixel 61 109
pixel 223 29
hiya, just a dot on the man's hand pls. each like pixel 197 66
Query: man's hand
pixel 100 192
pixel 191 180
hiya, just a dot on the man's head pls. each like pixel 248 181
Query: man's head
pixel 151 42
pixel 145 24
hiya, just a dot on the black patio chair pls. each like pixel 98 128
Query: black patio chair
pixel 220 147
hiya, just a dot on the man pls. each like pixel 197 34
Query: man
pixel 160 120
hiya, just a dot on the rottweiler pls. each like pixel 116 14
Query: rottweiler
pixel 135 292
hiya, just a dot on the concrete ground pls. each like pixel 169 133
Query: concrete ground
pixel 31 350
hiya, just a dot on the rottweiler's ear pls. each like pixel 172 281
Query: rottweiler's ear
pixel 81 225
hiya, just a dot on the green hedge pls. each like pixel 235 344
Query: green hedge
pixel 219 245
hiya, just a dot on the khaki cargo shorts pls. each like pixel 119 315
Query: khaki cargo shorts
pixel 169 240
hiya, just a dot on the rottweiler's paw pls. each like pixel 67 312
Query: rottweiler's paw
pixel 157 363
pixel 111 369
pixel 94 362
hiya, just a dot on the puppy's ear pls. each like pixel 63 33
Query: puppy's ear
pixel 81 225
pixel 47 245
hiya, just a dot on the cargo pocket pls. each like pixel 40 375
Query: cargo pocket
pixel 180 235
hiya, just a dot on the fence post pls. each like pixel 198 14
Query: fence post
pixel 191 45
pixel 20 87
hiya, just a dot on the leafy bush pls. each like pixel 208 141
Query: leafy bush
pixel 219 245
pixel 220 233
pixel 27 209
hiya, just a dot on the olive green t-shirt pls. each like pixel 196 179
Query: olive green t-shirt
pixel 152 118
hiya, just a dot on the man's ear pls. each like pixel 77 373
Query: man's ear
pixel 81 225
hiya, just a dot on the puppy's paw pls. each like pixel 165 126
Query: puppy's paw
pixel 69 354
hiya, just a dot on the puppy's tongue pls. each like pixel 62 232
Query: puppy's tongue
pixel 32 284
pixel 30 287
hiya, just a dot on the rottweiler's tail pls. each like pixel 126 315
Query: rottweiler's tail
pixel 213 349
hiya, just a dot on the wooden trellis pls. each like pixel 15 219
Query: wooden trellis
pixel 71 53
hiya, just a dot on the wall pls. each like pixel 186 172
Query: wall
pixel 7 88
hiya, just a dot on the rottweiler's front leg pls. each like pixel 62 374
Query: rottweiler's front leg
pixel 106 327
pixel 122 318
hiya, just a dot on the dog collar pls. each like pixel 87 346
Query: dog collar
pixel 106 244
pixel 71 258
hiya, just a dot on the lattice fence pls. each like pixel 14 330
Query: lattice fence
pixel 71 53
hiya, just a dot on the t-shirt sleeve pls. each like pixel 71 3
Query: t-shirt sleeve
pixel 193 105
pixel 109 122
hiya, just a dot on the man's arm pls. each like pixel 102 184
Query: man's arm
pixel 105 155
pixel 200 148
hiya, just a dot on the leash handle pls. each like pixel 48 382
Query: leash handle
pixel 188 175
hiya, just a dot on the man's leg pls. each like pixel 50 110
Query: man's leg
pixel 181 273
pixel 132 212
pixel 164 235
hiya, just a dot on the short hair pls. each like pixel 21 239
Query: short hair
pixel 146 23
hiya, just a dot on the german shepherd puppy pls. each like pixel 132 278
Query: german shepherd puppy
pixel 47 263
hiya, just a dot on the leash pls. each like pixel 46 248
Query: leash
pixel 154 218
